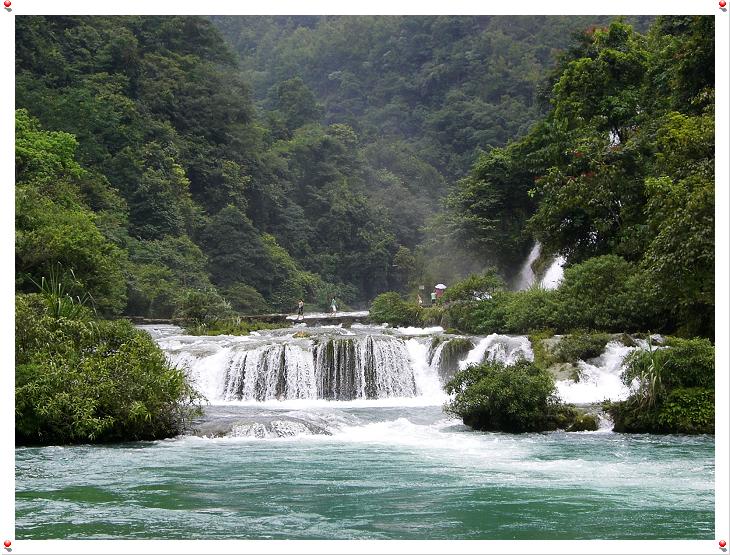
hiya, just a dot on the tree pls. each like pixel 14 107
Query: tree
pixel 296 104
pixel 236 252
pixel 52 224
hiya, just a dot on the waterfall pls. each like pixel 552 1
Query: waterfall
pixel 333 367
pixel 526 277
pixel 503 348
pixel 366 367
pixel 270 372
pixel 600 378
pixel 554 274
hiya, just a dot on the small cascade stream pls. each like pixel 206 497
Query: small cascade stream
pixel 526 277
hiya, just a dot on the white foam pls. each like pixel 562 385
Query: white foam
pixel 600 378
pixel 419 331
pixel 503 348
pixel 554 275
pixel 425 374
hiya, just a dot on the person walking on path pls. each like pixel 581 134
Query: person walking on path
pixel 300 310
pixel 334 307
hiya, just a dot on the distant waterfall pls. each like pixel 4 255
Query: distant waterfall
pixel 526 277
pixel 552 278
pixel 554 274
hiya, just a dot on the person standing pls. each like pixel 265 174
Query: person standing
pixel 420 301
pixel 334 307
pixel 433 297
pixel 300 310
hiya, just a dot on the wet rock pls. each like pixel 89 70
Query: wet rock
pixel 259 426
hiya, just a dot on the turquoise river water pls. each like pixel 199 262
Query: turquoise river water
pixel 391 468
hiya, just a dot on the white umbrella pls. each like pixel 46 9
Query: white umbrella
pixel 440 286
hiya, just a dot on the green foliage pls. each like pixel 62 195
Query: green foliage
pixel 621 165
pixel 53 226
pixel 606 293
pixel 160 271
pixel 295 104
pixel 481 317
pixel 533 309
pixel 543 356
pixel 245 299
pixel 203 307
pixel 56 292
pixel 684 363
pixel 581 346
pixel 85 380
pixel 518 398
pixel 391 308
pixel 475 287
pixel 674 389
pixel 688 411
pixel 148 137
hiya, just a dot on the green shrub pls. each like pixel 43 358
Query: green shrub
pixel 391 308
pixel 674 392
pixel 684 363
pixel 203 307
pixel 432 316
pixel 479 317
pixel 474 287
pixel 688 410
pixel 581 346
pixel 86 380
pixel 245 299
pixel 518 398
pixel 605 293
pixel 532 309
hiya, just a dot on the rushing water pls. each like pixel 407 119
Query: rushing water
pixel 276 457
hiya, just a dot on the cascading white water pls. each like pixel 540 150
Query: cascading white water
pixel 552 278
pixel 526 277
pixel 554 274
pixel 336 365
pixel 425 374
pixel 503 348
pixel 600 378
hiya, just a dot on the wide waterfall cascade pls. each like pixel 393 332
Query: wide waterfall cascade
pixel 364 363
pixel 327 364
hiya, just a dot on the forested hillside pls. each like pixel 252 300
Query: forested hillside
pixel 182 166
pixel 619 175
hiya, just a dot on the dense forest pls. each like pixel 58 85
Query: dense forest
pixel 172 175
pixel 204 168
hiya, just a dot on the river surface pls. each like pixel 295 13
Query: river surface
pixel 382 468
